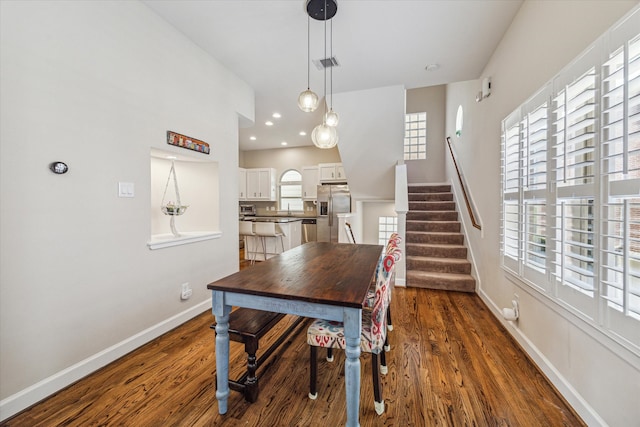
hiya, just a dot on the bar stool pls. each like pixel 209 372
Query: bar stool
pixel 268 229
pixel 246 230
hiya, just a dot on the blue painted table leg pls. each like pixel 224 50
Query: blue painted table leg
pixel 352 325
pixel 221 311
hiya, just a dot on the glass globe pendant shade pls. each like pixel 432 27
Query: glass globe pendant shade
pixel 308 101
pixel 324 136
pixel 331 118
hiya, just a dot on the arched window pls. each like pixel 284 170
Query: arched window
pixel 291 191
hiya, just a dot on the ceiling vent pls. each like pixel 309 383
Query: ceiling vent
pixel 321 64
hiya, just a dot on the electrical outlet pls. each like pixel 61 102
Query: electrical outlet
pixel 185 291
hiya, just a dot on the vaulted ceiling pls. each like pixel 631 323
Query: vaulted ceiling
pixel 377 44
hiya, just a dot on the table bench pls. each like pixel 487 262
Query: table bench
pixel 248 326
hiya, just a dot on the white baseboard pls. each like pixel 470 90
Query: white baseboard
pixel 35 393
pixel 581 406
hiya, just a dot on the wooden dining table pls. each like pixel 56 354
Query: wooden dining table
pixel 317 279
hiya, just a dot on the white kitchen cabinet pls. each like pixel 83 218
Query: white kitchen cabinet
pixel 261 184
pixel 310 181
pixel 242 184
pixel 332 172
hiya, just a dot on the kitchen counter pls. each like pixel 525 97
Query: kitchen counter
pixel 278 219
pixel 291 228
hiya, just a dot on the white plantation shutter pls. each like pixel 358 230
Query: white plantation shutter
pixel 574 120
pixel 571 187
pixel 534 137
pixel 511 183
pixel 575 139
pixel 620 222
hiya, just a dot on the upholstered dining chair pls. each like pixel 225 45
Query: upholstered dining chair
pixel 330 334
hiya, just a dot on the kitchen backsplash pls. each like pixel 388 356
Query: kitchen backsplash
pixel 271 209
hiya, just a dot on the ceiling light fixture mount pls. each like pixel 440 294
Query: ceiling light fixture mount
pixel 317 8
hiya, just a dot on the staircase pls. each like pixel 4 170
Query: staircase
pixel 436 254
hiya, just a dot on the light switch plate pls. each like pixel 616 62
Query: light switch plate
pixel 126 189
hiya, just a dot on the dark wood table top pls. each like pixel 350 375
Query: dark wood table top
pixel 317 272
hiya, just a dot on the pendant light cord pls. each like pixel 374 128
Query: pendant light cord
pixel 331 72
pixel 308 54
pixel 325 58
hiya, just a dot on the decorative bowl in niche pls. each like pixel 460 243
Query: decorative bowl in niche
pixel 171 209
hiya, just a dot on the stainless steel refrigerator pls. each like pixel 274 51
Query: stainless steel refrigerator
pixel 332 200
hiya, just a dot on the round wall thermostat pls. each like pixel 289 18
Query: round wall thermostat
pixel 58 167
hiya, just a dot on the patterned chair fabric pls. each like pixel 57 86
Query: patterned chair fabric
pixel 392 248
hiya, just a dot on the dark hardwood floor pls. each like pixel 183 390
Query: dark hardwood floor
pixel 451 364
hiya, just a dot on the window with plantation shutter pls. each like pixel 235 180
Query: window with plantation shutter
pixel 620 164
pixel 534 136
pixel 571 187
pixel 510 230
pixel 575 137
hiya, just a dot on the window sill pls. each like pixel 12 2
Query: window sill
pixel 161 241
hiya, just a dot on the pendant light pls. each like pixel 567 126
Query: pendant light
pixel 308 100
pixel 323 135
pixel 331 118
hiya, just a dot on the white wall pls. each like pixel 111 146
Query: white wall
pixel 371 133
pixel 431 100
pixel 97 84
pixel 371 213
pixel 283 159
pixel 600 379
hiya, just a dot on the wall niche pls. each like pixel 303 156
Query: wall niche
pixel 198 186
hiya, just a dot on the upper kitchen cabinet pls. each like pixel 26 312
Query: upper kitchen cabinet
pixel 332 172
pixel 242 184
pixel 310 181
pixel 261 184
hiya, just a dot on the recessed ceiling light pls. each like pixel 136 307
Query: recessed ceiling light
pixel 268 123
pixel 302 133
pixel 172 157
pixel 283 143
pixel 432 67
pixel 253 138
pixel 276 115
